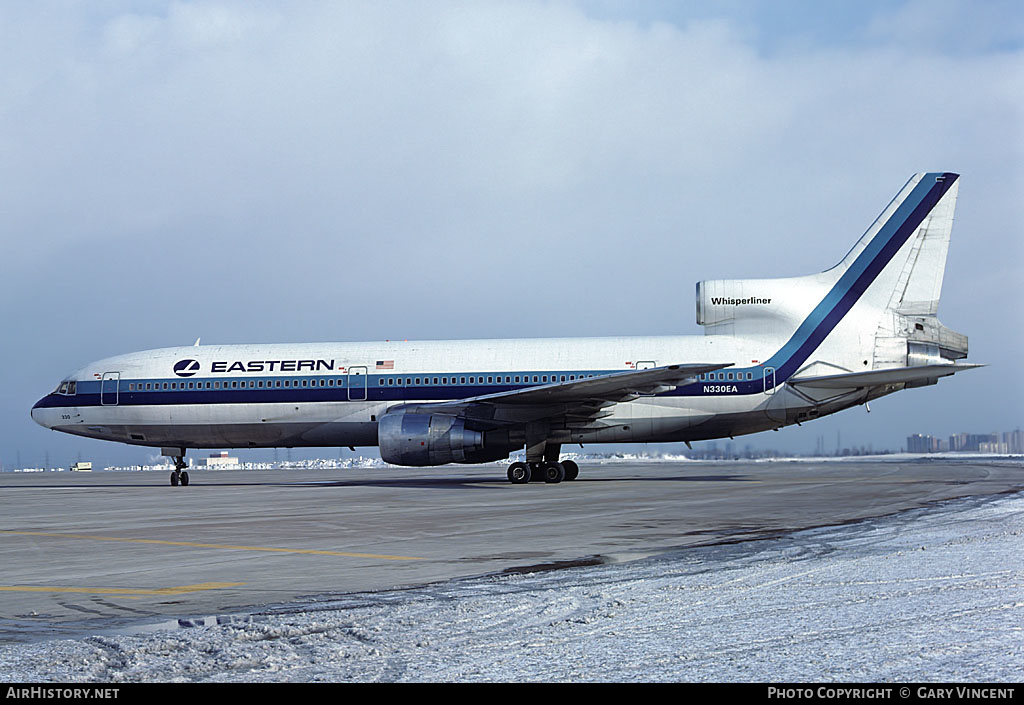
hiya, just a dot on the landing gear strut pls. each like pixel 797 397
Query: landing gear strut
pixel 542 464
pixel 179 476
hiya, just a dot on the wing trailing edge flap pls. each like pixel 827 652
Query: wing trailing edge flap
pixel 878 378
pixel 577 399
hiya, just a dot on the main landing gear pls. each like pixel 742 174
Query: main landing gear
pixel 179 476
pixel 551 472
pixel 542 460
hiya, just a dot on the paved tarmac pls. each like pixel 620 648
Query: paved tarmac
pixel 104 550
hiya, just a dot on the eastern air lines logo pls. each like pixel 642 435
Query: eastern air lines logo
pixel 186 368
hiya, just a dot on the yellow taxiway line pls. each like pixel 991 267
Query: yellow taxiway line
pixel 180 590
pixel 190 544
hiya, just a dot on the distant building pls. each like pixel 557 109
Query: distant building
pixel 216 460
pixel 919 443
pixel 998 443
pixel 971 441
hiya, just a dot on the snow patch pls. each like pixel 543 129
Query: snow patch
pixel 928 595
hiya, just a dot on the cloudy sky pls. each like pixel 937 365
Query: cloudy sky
pixel 317 171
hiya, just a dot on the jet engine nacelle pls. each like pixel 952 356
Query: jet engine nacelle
pixel 421 439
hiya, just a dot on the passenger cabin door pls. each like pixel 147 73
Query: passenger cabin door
pixel 108 388
pixel 769 380
pixel 357 384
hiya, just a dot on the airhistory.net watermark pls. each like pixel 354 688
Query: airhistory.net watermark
pixel 39 692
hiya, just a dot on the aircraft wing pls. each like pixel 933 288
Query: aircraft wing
pixel 877 378
pixel 581 396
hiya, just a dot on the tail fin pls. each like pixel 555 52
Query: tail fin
pixel 874 310
pixel 908 331
pixel 920 285
pixel 921 214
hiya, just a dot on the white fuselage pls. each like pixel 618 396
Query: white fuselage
pixel 332 394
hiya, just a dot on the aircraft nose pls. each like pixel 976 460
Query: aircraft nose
pixel 38 415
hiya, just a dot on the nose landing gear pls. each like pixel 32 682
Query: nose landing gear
pixel 179 476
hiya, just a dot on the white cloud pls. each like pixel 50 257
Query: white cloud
pixel 309 163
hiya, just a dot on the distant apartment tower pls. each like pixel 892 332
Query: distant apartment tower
pixel 919 443
pixel 974 442
pixel 1009 442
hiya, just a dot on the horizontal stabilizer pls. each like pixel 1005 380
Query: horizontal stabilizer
pixel 878 378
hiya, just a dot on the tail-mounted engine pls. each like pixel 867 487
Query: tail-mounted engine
pixel 757 306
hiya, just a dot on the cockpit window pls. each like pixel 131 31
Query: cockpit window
pixel 63 389
pixel 71 388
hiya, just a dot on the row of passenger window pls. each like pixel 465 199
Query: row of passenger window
pixel 330 382
pixel 234 384
pixel 338 382
pixel 473 379
pixel 723 376
pixel 68 388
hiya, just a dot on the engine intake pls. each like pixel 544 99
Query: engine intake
pixel 420 439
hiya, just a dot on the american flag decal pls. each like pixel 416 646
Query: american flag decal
pixel 385 364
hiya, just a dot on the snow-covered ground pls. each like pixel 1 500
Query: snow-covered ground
pixel 929 595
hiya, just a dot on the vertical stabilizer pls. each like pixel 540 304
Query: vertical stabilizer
pixel 909 332
pixel 920 285
pixel 900 260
